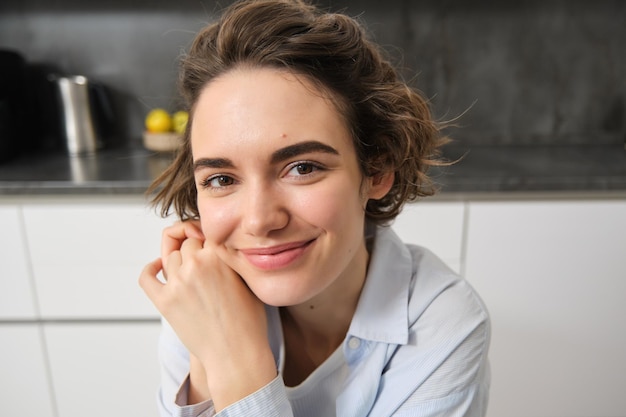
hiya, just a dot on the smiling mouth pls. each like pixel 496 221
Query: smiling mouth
pixel 276 257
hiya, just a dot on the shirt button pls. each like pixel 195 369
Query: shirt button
pixel 354 343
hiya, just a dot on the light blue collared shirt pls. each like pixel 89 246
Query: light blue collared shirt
pixel 417 346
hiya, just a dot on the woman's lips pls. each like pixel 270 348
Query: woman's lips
pixel 276 257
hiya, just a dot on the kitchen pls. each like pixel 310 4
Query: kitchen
pixel 533 215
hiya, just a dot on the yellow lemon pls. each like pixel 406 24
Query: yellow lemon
pixel 158 121
pixel 179 121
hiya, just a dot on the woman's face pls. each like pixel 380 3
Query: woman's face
pixel 280 194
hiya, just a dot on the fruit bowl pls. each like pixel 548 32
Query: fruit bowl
pixel 162 142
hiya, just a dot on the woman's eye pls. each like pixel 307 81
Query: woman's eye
pixel 218 181
pixel 303 168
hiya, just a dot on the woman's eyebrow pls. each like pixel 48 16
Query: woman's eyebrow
pixel 283 154
pixel 212 163
pixel 297 149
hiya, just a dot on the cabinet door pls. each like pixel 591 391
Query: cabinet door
pixel 109 369
pixel 553 275
pixel 16 295
pixel 436 225
pixel 24 389
pixel 86 258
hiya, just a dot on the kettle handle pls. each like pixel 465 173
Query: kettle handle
pixel 102 102
pixel 102 110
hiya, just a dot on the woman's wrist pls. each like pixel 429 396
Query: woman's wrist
pixel 198 390
pixel 238 376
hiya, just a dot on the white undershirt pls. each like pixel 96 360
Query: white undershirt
pixel 324 382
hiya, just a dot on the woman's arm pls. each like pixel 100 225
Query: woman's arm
pixel 215 315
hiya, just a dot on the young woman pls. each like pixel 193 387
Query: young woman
pixel 284 293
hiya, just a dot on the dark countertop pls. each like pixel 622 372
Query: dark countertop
pixel 110 171
pixel 484 169
pixel 573 168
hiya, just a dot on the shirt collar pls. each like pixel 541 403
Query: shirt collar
pixel 382 311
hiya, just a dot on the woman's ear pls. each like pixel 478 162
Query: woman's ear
pixel 380 184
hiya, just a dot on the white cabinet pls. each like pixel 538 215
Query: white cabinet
pixel 104 369
pixel 78 335
pixel 553 275
pixel 24 388
pixel 16 293
pixel 87 256
pixel 436 225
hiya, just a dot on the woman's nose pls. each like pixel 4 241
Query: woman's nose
pixel 264 211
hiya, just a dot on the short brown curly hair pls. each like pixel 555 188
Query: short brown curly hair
pixel 390 122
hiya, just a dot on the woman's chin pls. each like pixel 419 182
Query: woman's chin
pixel 279 297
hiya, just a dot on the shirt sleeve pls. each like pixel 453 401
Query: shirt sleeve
pixel 203 409
pixel 269 401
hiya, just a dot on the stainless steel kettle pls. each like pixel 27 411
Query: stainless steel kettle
pixel 79 124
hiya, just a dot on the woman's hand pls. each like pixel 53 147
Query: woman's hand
pixel 213 312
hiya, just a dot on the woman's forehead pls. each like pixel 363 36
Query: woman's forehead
pixel 264 108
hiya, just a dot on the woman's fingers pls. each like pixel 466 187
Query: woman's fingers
pixel 190 246
pixel 174 236
pixel 183 257
pixel 148 279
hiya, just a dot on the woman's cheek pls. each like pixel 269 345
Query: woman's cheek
pixel 326 206
pixel 216 219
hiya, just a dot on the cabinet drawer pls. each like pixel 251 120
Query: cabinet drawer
pixel 86 258
pixel 110 366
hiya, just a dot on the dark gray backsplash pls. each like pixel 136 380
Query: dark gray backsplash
pixel 520 72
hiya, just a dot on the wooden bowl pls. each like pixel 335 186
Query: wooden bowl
pixel 162 142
